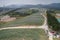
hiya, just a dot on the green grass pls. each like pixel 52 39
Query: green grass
pixel 20 34
pixel 34 19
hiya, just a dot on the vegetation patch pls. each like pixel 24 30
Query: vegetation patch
pixel 52 21
pixel 23 34
pixel 34 19
pixel 21 12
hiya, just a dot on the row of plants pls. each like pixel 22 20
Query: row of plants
pixel 15 13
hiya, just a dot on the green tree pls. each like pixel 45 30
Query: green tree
pixel 52 22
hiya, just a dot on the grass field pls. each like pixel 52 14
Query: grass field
pixel 34 19
pixel 23 34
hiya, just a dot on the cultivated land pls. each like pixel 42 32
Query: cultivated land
pixel 23 34
pixel 25 28
pixel 35 19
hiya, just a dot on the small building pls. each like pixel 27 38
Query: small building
pixel 7 18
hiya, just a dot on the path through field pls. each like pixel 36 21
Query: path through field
pixel 44 26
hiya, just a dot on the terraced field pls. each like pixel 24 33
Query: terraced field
pixel 34 19
pixel 23 34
